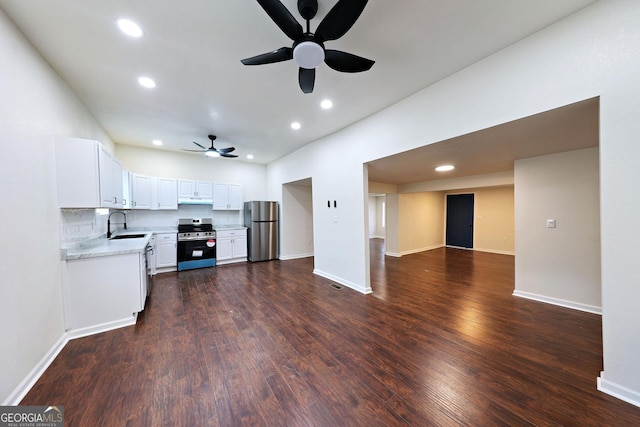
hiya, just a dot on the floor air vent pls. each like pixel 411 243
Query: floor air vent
pixel 338 287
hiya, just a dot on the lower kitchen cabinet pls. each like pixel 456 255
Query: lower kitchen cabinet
pixel 231 246
pixel 104 292
pixel 166 251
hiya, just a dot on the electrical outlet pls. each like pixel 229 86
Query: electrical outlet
pixel 551 223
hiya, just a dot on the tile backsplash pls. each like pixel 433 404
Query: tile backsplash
pixel 82 224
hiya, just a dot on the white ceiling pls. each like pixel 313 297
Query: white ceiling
pixel 193 50
pixel 572 127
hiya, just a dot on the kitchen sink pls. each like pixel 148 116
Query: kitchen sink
pixel 127 236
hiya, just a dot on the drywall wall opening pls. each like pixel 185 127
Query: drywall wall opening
pixel 297 220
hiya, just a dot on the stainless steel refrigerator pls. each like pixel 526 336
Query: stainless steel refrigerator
pixel 261 220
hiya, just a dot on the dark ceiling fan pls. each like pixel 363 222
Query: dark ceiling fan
pixel 308 48
pixel 213 151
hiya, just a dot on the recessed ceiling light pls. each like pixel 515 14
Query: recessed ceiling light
pixel 147 82
pixel 156 142
pixel 296 125
pixel 326 104
pixel 211 154
pixel 445 168
pixel 130 28
pixel 250 156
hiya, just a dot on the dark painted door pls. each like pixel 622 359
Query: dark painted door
pixel 460 220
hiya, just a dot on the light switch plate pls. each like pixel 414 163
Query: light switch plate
pixel 551 223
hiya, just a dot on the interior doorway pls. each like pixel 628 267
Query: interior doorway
pixel 296 222
pixel 377 216
pixel 460 209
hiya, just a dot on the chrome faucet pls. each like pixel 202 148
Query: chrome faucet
pixel 109 222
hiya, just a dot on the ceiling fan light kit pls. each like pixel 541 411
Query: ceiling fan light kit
pixel 308 54
pixel 213 151
pixel 308 49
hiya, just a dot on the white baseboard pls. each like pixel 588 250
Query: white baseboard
pixel 231 261
pixel 559 302
pixel 34 375
pixel 103 327
pixel 618 391
pixel 23 388
pixel 348 284
pixel 493 251
pixel 295 256
pixel 413 251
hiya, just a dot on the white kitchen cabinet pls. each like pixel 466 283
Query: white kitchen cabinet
pixel 110 172
pixel 227 196
pixel 166 194
pixel 149 192
pixel 126 189
pixel 231 246
pixel 104 291
pixel 166 251
pixel 151 256
pixel 88 175
pixel 141 191
pixel 192 191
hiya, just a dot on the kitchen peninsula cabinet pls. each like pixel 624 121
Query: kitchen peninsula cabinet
pixel 104 292
pixel 89 176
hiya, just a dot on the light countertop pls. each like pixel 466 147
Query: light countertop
pixel 228 227
pixel 101 246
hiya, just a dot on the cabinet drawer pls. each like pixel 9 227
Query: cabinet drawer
pixel 221 234
pixel 166 237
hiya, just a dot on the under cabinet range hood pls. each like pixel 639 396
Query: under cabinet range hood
pixel 195 202
pixel 194 192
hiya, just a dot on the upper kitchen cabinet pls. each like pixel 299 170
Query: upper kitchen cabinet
pixel 227 196
pixel 166 193
pixel 195 192
pixel 151 193
pixel 89 176
pixel 141 191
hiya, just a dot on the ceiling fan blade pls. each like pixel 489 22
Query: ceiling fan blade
pixel 227 155
pixel 340 19
pixel 204 148
pixel 282 17
pixel 225 150
pixel 346 62
pixel 278 55
pixel 307 79
pixel 195 151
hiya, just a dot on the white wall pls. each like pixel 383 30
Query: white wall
pixel 592 53
pixel 421 221
pixel 168 164
pixel 376 212
pixel 562 264
pixel 34 103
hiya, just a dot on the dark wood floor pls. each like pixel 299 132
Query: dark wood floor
pixel 441 342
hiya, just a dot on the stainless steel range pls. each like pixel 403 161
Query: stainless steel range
pixel 196 243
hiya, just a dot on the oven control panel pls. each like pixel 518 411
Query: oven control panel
pixel 196 235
